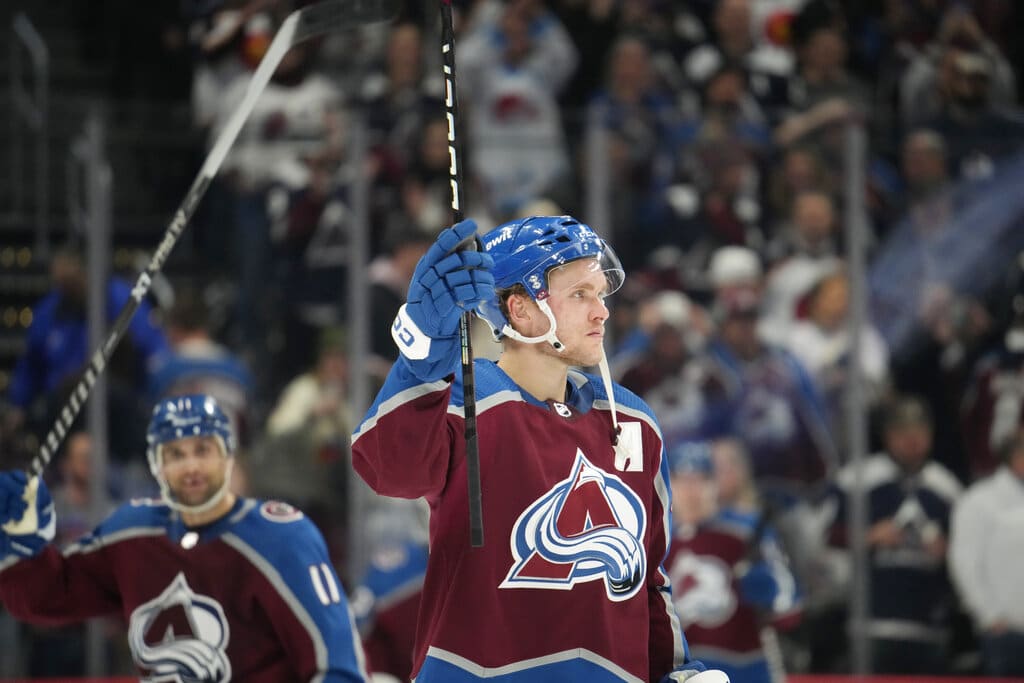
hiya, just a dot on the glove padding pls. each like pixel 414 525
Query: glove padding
pixel 28 534
pixel 445 284
pixel 693 676
pixel 13 484
pixel 758 586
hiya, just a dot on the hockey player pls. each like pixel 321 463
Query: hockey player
pixel 728 573
pixel 213 587
pixel 569 585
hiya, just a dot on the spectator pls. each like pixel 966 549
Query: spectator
pixel 926 185
pixel 514 60
pixel 198 364
pixel 399 97
pixel 804 250
pixel 822 342
pixel 800 169
pixel 426 185
pixel 765 65
pixel 389 281
pixel 57 350
pixel 978 125
pixel 678 330
pixel 304 458
pixel 985 552
pixel 932 77
pixel 909 498
pixel 640 119
pixel 993 405
pixel 292 136
pixel 727 570
pixel 714 202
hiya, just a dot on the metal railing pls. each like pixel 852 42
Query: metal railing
pixel 30 114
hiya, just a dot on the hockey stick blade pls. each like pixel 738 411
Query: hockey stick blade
pixel 300 25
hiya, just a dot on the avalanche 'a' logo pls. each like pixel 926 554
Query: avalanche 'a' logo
pixel 590 526
pixel 180 637
pixel 703 590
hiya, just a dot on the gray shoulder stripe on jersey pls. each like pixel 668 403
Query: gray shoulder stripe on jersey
pixel 108 540
pixel 304 618
pixel 526 664
pixel 248 505
pixel 488 402
pixel 399 399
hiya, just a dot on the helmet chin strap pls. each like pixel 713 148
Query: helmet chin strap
pixel 606 379
pixel 549 336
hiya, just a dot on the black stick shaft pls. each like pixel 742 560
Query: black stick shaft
pixel 451 102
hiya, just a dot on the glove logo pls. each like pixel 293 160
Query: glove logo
pixel 703 590
pixel 180 636
pixel 588 527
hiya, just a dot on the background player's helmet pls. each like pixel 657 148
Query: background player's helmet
pixel 525 251
pixel 181 417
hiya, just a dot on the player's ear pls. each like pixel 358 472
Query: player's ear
pixel 520 310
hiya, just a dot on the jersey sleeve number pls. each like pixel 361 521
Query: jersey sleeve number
pixel 324 583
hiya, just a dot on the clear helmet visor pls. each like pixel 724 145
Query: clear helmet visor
pixel 572 268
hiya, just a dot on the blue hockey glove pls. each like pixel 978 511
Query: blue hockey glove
pixel 26 535
pixel 694 676
pixel 758 586
pixel 445 284
pixel 12 492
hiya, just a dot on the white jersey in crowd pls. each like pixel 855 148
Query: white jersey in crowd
pixel 986 551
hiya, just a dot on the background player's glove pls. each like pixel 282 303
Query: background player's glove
pixel 446 283
pixel 693 676
pixel 12 495
pixel 28 532
pixel 758 586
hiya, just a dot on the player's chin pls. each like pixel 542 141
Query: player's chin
pixel 194 497
pixel 588 357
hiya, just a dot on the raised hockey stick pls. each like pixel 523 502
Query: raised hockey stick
pixel 451 105
pixel 300 25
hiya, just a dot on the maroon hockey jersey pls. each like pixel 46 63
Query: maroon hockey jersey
pixel 251 597
pixel 569 584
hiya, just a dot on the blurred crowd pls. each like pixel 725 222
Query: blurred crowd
pixel 715 133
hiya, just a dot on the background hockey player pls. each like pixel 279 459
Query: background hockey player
pixel 213 587
pixel 728 573
pixel 569 585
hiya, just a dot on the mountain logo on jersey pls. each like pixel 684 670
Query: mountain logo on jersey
pixel 180 637
pixel 589 526
pixel 702 587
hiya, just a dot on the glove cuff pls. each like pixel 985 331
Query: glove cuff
pixel 412 342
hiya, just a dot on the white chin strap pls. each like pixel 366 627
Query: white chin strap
pixel 549 336
pixel 606 379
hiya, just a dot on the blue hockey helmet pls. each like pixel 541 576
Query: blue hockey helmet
pixel 691 457
pixel 525 251
pixel 181 417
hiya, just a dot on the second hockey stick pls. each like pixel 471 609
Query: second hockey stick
pixel 451 104
pixel 300 25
